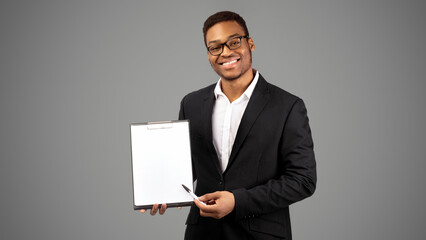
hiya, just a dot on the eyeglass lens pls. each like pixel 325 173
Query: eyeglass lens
pixel 231 44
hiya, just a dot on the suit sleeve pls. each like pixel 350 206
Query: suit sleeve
pixel 181 110
pixel 297 170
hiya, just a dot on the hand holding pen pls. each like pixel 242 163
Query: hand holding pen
pixel 219 204
pixel 192 194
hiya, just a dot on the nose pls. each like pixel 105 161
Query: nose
pixel 226 51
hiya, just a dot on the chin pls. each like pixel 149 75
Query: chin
pixel 229 76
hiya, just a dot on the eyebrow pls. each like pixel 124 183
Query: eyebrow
pixel 232 36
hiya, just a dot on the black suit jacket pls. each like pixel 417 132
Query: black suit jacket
pixel 271 166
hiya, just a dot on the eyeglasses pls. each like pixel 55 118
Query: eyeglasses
pixel 232 44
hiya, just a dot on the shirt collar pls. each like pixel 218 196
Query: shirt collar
pixel 248 92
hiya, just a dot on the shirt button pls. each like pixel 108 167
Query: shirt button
pixel 220 182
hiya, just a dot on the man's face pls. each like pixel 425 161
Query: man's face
pixel 230 64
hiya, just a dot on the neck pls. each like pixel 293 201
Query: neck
pixel 233 89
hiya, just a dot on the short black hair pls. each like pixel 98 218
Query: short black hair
pixel 224 16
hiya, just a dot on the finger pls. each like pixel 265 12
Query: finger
pixel 179 208
pixel 154 209
pixel 208 214
pixel 198 204
pixel 143 210
pixel 209 196
pixel 163 208
pixel 204 208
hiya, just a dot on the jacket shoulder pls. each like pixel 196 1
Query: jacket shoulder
pixel 279 94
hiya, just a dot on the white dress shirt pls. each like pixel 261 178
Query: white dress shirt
pixel 226 119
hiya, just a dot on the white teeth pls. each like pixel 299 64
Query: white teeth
pixel 231 62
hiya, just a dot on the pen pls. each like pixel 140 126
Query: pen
pixel 192 194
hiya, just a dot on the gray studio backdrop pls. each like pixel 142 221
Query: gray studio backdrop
pixel 75 74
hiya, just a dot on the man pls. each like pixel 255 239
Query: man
pixel 251 144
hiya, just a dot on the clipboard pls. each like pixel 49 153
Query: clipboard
pixel 161 163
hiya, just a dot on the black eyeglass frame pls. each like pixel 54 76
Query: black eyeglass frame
pixel 225 44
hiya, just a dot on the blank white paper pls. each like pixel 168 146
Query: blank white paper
pixel 161 163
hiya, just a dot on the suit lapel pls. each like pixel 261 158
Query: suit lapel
pixel 256 104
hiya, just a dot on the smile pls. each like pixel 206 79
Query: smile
pixel 231 62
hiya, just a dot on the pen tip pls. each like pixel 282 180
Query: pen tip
pixel 186 188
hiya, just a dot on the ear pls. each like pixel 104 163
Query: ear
pixel 251 44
